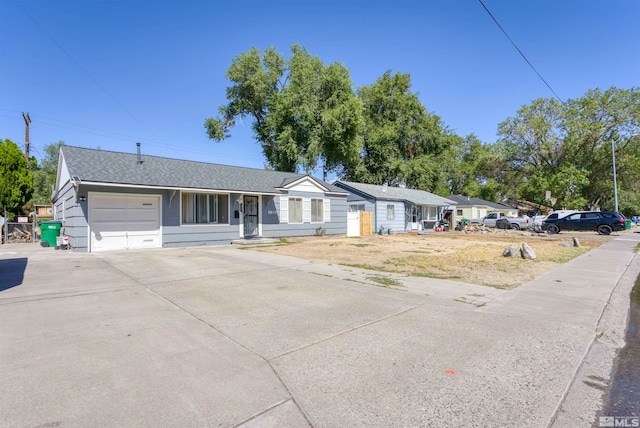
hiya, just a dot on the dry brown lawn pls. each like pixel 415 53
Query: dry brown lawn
pixel 469 257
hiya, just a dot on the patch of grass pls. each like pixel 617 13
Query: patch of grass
pixel 498 286
pixel 564 256
pixel 363 266
pixel 635 250
pixel 384 280
pixel 475 295
pixel 434 275
pixel 361 245
pixel 322 274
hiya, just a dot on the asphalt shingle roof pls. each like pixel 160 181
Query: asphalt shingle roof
pixel 467 201
pixel 122 168
pixel 417 197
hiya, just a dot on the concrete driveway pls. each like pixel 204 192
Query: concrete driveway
pixel 217 336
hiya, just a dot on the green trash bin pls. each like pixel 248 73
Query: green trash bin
pixel 49 231
pixel 628 226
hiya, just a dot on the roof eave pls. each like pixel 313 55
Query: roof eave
pixel 182 188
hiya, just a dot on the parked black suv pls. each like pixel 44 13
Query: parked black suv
pixel 602 222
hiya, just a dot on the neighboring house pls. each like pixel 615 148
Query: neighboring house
pixel 396 208
pixel 469 208
pixel 109 200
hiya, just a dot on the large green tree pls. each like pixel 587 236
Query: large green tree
pixel 305 113
pixel 472 168
pixel 402 141
pixel 44 174
pixel 566 149
pixel 16 181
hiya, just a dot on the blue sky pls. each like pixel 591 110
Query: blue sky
pixel 110 73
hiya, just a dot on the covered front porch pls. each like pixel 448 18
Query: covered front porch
pixel 423 217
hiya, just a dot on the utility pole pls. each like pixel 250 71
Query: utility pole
pixel 27 121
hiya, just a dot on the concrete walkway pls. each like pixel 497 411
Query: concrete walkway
pixel 217 336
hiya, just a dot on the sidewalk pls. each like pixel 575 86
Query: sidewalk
pixel 591 290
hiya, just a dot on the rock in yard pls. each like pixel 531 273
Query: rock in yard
pixel 511 252
pixel 566 244
pixel 576 242
pixel 527 252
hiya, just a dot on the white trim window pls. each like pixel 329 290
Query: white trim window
pixel 317 210
pixel 432 213
pixel 295 210
pixel 356 208
pixel 205 208
pixel 391 212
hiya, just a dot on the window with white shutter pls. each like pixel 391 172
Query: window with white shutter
pixel 306 210
pixel 327 210
pixel 284 209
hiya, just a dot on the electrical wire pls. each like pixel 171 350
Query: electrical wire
pixel 123 137
pixel 519 51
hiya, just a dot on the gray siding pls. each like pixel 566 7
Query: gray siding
pixel 272 228
pixel 71 213
pixel 198 234
pixel 397 225
pixel 369 204
pixel 177 235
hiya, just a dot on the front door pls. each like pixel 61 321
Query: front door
pixel 250 216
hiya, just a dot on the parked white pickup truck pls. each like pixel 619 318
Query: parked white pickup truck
pixel 516 222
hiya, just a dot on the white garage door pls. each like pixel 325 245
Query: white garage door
pixel 119 221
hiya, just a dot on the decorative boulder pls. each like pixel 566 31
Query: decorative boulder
pixel 576 242
pixel 527 252
pixel 511 252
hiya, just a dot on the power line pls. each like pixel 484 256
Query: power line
pixel 519 51
pixel 115 100
pixel 123 137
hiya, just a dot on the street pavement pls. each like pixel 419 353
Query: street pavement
pixel 224 337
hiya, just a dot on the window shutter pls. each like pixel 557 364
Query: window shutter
pixel 306 210
pixel 327 210
pixel 284 209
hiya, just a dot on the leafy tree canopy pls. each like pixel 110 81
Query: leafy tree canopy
pixel 402 141
pixel 305 113
pixel 45 173
pixel 566 148
pixel 16 181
